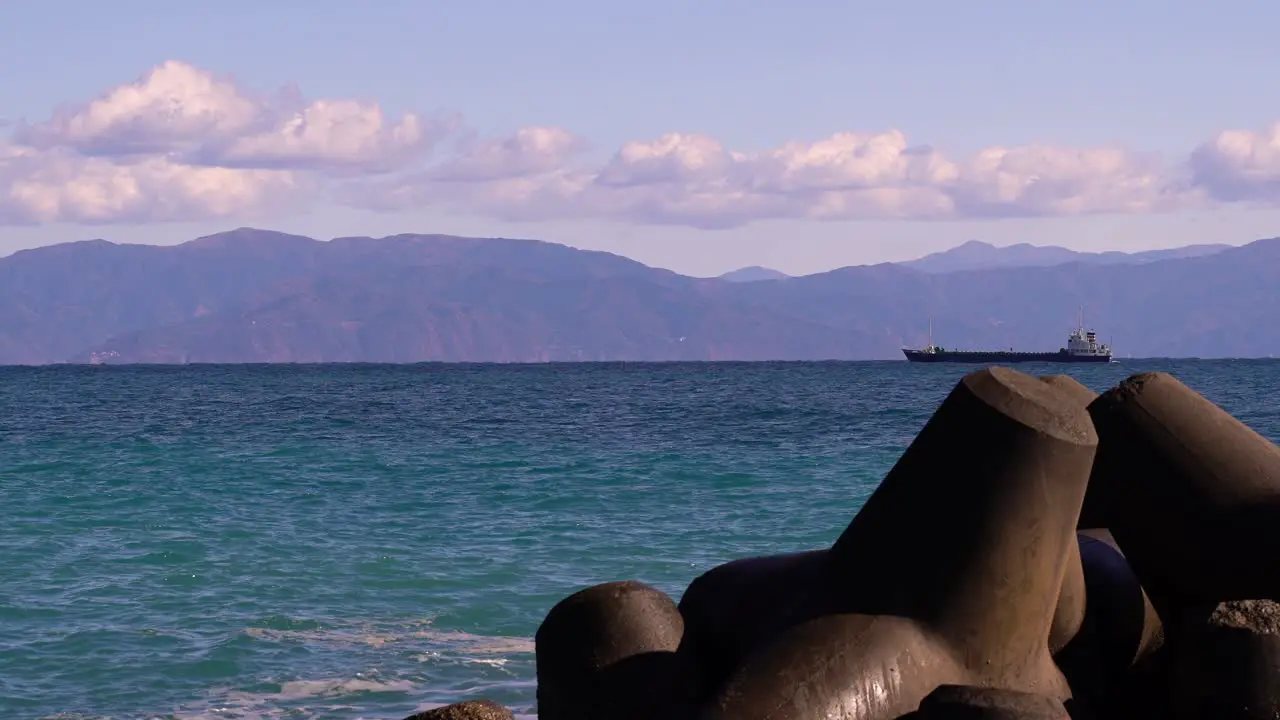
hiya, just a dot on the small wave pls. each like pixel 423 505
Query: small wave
pixel 478 644
pixel 281 705
pixel 415 641
pixel 303 689
pixel 326 637
pixel 491 662
pixel 296 700
pixel 376 635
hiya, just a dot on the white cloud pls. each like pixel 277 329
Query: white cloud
pixel 60 186
pixel 694 180
pixel 530 151
pixel 852 161
pixel 335 135
pixel 181 142
pixel 1035 181
pixel 166 110
pixel 1240 165
pixel 192 115
pixel 674 158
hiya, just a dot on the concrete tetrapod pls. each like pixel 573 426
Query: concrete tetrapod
pixel 608 653
pixel 1082 393
pixel 949 574
pixel 1228 666
pixel 965 702
pixel 1109 657
pixel 1120 611
pixel 1070 613
pixel 1112 661
pixel 731 608
pixel 1191 494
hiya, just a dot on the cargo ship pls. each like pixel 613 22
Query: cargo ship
pixel 1082 347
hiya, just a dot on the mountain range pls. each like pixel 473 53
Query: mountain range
pixel 978 255
pixel 260 296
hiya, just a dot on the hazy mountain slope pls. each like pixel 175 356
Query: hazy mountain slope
pixel 1225 304
pixel 977 255
pixel 53 299
pixel 60 300
pixel 483 314
pixel 254 296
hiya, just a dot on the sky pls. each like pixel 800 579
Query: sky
pixel 698 136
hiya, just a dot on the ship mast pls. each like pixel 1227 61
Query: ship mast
pixel 930 331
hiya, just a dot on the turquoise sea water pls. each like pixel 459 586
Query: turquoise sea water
pixel 365 541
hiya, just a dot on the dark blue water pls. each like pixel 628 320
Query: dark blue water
pixel 364 541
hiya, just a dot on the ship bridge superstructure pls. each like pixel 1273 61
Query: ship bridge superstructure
pixel 1083 342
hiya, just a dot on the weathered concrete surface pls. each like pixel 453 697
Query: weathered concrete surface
pixel 966 702
pixel 609 652
pixel 1190 493
pixel 1227 666
pixel 950 573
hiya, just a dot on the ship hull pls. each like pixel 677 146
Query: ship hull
pixel 996 357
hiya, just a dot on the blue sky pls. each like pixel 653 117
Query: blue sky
pixel 697 136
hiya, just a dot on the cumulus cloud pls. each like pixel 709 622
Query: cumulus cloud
pixel 674 158
pixel 181 142
pixel 1034 181
pixel 198 118
pixel 1240 165
pixel 692 179
pixel 530 151
pixel 166 110
pixel 332 135
pixel 59 186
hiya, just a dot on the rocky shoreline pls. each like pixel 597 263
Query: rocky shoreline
pixel 1039 552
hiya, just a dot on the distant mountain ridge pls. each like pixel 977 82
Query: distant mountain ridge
pixel 260 296
pixel 754 273
pixel 978 255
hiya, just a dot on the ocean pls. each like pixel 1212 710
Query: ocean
pixel 365 541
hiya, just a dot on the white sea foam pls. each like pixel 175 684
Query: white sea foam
pixel 291 701
pixel 477 644
pixel 280 706
pixel 302 689
pixel 435 643
pixel 310 698
pixel 303 699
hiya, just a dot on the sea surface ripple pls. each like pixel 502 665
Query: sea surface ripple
pixel 362 541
